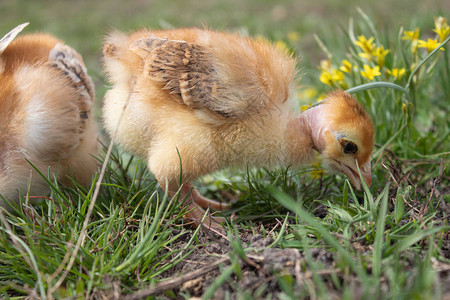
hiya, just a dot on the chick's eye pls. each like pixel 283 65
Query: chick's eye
pixel 350 147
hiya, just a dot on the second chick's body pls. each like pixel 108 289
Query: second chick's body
pixel 46 99
pixel 216 100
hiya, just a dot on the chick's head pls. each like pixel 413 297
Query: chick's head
pixel 347 137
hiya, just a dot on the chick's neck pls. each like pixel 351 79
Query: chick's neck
pixel 304 134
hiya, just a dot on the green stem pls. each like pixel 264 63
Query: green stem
pixel 416 69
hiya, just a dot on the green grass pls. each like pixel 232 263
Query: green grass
pixel 387 242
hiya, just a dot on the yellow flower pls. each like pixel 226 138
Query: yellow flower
pixel 414 37
pixel 370 73
pixel 411 35
pixel 331 75
pixel 305 107
pixel 337 75
pixel 441 28
pixel 310 92
pixel 404 108
pixel 443 33
pixel 321 97
pixel 346 66
pixel 397 73
pixel 366 56
pixel 293 36
pixel 325 77
pixel 307 93
pixel 281 46
pixel 317 172
pixel 430 45
pixel 380 54
pixel 325 64
pixel 365 44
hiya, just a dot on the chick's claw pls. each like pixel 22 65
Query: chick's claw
pixel 196 214
pixel 195 205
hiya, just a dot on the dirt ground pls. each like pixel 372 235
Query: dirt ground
pixel 262 270
pixel 263 267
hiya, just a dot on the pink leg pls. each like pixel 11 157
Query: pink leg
pixel 195 204
pixel 205 202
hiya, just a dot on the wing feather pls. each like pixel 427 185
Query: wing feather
pixel 67 61
pixel 191 71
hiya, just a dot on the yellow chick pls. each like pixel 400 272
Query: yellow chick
pixel 46 119
pixel 212 100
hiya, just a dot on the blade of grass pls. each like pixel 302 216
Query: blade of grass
pixel 351 30
pixel 417 68
pixel 379 151
pixel 225 274
pixel 290 204
pixel 323 47
pixel 48 181
pixel 280 234
pixel 410 240
pixel 139 251
pixel 378 84
pixel 26 252
pixel 378 244
pixel 399 208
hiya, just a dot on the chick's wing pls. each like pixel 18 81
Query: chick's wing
pixel 60 105
pixel 192 72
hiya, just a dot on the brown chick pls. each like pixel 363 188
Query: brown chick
pixel 215 100
pixel 46 100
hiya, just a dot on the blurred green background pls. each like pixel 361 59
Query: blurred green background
pixel 82 24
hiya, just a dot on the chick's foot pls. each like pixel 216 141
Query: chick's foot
pixel 203 201
pixel 195 206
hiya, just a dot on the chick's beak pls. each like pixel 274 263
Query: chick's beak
pixel 353 176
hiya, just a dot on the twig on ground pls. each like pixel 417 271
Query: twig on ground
pixel 176 282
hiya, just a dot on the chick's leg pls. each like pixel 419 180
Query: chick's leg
pixel 195 212
pixel 205 202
